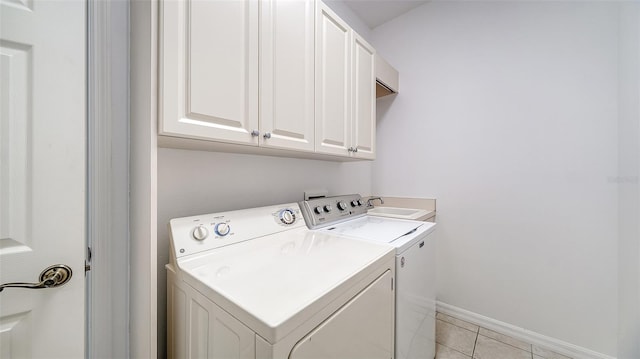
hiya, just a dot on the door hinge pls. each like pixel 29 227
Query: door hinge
pixel 87 265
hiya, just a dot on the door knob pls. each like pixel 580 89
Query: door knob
pixel 53 276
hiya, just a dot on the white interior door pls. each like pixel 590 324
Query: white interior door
pixel 42 175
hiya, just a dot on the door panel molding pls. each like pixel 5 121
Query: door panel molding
pixel 16 97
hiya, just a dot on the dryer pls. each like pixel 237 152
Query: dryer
pixel 414 241
pixel 257 283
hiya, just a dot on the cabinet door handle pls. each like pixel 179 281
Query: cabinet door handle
pixel 255 133
pixel 267 135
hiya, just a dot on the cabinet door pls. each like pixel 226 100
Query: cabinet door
pixel 287 74
pixel 364 99
pixel 333 83
pixel 209 69
pixel 198 328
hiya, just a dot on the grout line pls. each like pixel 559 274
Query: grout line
pixel 507 344
pixel 478 334
pixel 473 352
pixel 511 345
pixel 458 319
pixel 454 349
pixel 457 326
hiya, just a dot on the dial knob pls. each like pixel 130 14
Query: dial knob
pixel 200 233
pixel 354 203
pixel 318 210
pixel 327 208
pixel 360 203
pixel 287 216
pixel 342 206
pixel 222 229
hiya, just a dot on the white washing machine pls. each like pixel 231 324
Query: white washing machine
pixel 258 283
pixel 415 264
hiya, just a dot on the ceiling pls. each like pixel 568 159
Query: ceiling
pixel 377 12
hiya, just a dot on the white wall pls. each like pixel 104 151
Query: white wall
pixel 507 114
pixel 628 191
pixel 198 182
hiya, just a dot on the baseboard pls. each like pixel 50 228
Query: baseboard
pixel 528 336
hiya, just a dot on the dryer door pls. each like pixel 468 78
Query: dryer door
pixel 362 328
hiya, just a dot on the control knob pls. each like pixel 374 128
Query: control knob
pixel 287 216
pixel 318 210
pixel 342 206
pixel 360 203
pixel 327 208
pixel 200 233
pixel 222 229
pixel 354 203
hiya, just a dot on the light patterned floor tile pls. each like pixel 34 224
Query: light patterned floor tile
pixel 505 339
pixel 443 352
pixel 454 337
pixel 487 348
pixel 457 322
pixel 547 354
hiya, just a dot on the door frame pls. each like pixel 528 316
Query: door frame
pixel 107 214
pixel 143 87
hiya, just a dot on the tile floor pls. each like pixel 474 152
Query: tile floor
pixel 457 339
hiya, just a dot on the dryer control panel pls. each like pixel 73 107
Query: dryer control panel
pixel 321 212
pixel 190 235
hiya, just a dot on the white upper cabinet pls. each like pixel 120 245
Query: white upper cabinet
pixel 287 74
pixel 209 70
pixel 279 74
pixel 364 99
pixel 333 90
pixel 345 89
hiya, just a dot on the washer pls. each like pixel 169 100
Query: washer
pixel 415 264
pixel 257 283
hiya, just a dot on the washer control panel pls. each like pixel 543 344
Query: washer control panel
pixel 195 234
pixel 320 212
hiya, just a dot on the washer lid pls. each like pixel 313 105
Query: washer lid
pixel 376 229
pixel 275 283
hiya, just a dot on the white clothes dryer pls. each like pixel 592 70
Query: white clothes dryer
pixel 415 322
pixel 257 283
